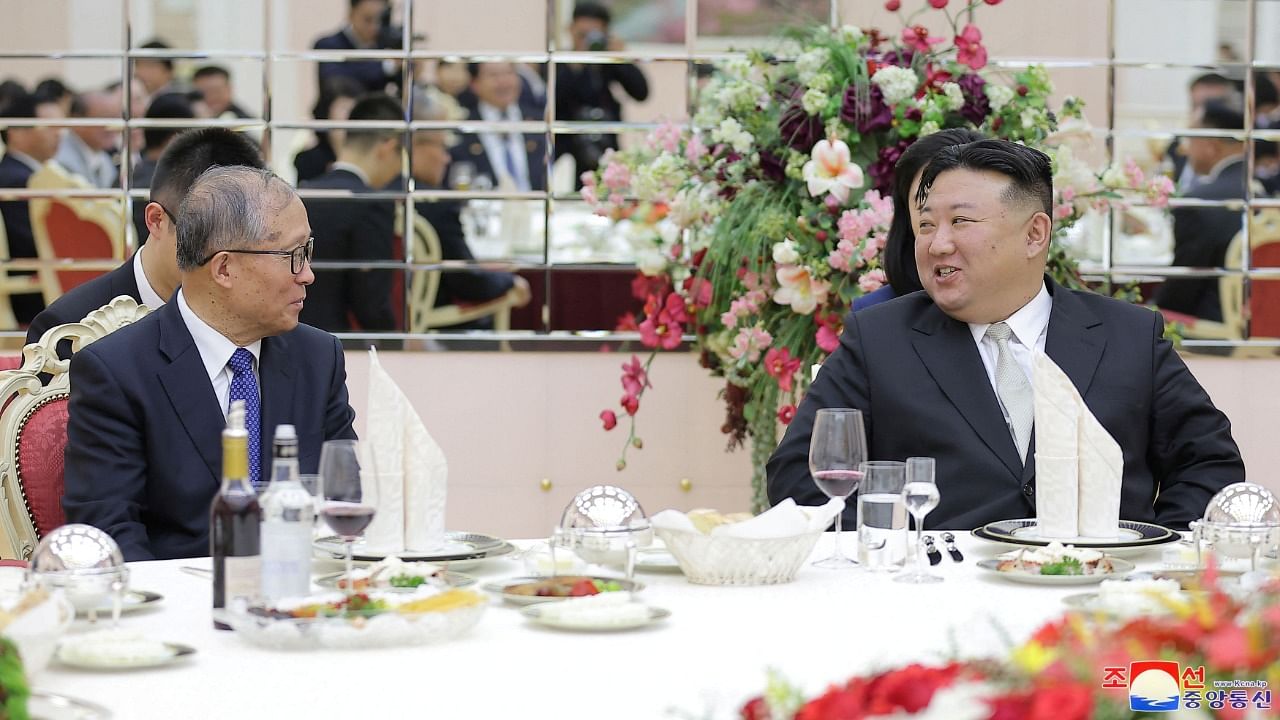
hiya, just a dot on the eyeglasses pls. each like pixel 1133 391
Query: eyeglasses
pixel 298 257
pixel 172 219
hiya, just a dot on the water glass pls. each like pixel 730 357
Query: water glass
pixel 882 516
pixel 311 483
pixel 837 447
pixel 920 494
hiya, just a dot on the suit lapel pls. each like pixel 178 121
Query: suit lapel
pixel 276 373
pixel 186 383
pixel 948 352
pixel 1074 341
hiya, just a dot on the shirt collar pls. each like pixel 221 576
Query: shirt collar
pixel 214 347
pixel 353 169
pixel 146 293
pixel 1027 324
pixel 351 38
pixel 26 159
pixel 493 114
pixel 1223 164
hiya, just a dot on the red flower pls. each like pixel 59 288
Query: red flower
pixel 829 328
pixel 780 364
pixel 631 404
pixel 609 419
pixel 934 76
pixel 893 5
pixel 699 291
pixel 663 326
pixel 969 44
pixel 993 2
pixel 1061 702
pixel 938 4
pixel 634 378
pixel 917 38
pixel 755 709
pixel 786 414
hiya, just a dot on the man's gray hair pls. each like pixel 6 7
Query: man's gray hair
pixel 228 207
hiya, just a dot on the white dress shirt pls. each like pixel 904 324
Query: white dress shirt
pixel 149 296
pixel 216 351
pixel 514 142
pixel 1030 326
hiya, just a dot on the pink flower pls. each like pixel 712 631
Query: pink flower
pixel 694 150
pixel 780 365
pixel 786 414
pixel 831 171
pixel 917 38
pixel 667 137
pixel 938 4
pixel 969 44
pixel 1134 174
pixel 631 404
pixel 1061 212
pixel 634 378
pixel 609 419
pixel 828 339
pixel 749 342
pixel 616 176
pixel 1068 194
pixel 1160 190
pixel 840 257
pixel 663 326
pixel 872 280
pixel 800 289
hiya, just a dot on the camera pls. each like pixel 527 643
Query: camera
pixel 597 40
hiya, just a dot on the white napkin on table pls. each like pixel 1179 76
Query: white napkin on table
pixel 403 468
pixel 785 519
pixel 1079 466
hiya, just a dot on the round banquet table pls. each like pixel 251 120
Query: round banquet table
pixel 704 661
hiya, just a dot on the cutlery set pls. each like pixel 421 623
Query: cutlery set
pixel 935 555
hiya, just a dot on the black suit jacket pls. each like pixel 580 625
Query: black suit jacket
pixel 1200 239
pixel 470 149
pixel 84 299
pixel 17 225
pixel 144 455
pixel 918 378
pixel 352 230
pixel 584 92
pixel 369 73
pixel 460 286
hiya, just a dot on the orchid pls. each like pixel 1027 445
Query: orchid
pixel 800 289
pixel 970 49
pixel 831 171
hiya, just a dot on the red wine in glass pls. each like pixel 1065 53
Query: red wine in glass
pixel 347 519
pixel 837 483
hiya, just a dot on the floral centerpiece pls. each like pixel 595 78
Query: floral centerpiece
pixel 1220 648
pixel 758 225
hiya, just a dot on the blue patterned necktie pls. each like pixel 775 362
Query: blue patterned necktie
pixel 244 386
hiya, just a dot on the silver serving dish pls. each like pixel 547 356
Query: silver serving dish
pixel 1242 521
pixel 604 525
pixel 86 563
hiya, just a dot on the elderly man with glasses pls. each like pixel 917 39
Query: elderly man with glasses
pixel 149 401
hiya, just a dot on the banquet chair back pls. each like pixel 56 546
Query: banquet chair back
pixel 33 427
pixel 425 284
pixel 11 285
pixel 88 230
pixel 1263 312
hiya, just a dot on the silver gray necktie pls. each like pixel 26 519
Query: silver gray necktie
pixel 1014 390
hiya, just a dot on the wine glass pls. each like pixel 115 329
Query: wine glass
pixel 920 495
pixel 837 447
pixel 461 174
pixel 347 509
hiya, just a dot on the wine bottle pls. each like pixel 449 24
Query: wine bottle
pixel 288 514
pixel 234 523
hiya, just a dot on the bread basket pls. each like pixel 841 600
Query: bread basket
pixel 726 560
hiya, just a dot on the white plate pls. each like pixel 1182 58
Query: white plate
pixel 535 613
pixel 176 653
pixel 1135 537
pixel 1122 568
pixel 500 587
pixel 458 546
pixel 133 600
pixel 453 579
pixel 48 706
pixel 656 560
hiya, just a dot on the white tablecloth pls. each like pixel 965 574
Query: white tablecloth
pixel 706 659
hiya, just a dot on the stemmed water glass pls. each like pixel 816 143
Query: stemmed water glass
pixel 920 495
pixel 837 447
pixel 347 509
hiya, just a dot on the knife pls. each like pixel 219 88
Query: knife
pixel 935 555
pixel 950 540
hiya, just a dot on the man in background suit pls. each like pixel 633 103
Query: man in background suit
pixel 1201 234
pixel 357 230
pixel 364 30
pixel 946 372
pixel 149 401
pixel 151 275
pixel 495 97
pixel 27 148
pixel 86 150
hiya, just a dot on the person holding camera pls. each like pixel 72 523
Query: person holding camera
pixel 368 28
pixel 583 92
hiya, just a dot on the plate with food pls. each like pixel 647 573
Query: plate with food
pixel 606 612
pixel 459 546
pixel 51 706
pixel 395 575
pixel 362 620
pixel 131 601
pixel 119 649
pixel 1134 537
pixel 1125 599
pixel 529 590
pixel 1057 564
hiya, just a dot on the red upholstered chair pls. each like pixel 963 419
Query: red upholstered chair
pixel 9 362
pixel 1264 295
pixel 33 427
pixel 90 231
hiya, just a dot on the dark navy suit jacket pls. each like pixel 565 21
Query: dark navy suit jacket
pixel 144 455
pixel 918 378
pixel 84 299
pixel 369 73
pixel 17 225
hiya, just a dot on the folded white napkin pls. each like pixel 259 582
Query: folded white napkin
pixel 403 469
pixel 782 520
pixel 1079 466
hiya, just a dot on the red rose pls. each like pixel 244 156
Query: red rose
pixel 893 5
pixel 609 419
